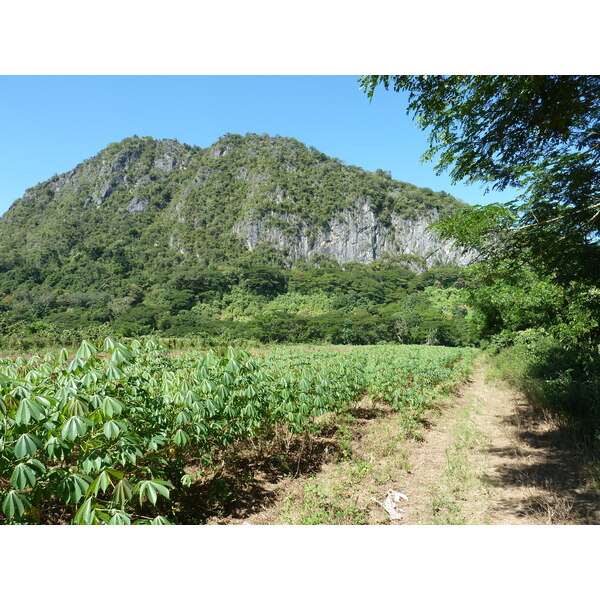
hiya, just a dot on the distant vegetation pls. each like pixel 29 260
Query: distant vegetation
pixel 254 301
pixel 140 239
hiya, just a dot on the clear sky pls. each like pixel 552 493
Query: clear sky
pixel 49 124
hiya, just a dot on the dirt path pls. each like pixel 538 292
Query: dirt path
pixel 492 459
pixel 484 457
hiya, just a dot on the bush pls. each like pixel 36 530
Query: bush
pixel 562 380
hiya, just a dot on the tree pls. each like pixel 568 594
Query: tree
pixel 540 134
pixel 537 285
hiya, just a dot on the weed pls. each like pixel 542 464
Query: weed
pixel 344 434
pixel 323 505
pixel 357 472
pixel 447 498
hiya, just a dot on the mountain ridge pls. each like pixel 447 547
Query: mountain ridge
pixel 277 184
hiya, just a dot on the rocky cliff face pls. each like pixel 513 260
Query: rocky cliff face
pixel 357 235
pixel 143 200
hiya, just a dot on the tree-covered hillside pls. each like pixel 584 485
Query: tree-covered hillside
pixel 149 228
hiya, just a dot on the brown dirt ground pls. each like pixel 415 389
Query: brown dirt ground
pixel 523 467
pixel 535 471
pixel 485 456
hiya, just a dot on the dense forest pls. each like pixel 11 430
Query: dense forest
pixel 350 303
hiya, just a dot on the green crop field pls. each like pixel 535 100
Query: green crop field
pixel 107 435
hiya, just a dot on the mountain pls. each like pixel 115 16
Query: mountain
pixel 164 198
pixel 143 212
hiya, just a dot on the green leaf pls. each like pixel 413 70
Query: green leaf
pixel 74 427
pixel 22 476
pixel 92 462
pixel 5 381
pixel 76 407
pixel 108 344
pixel 187 480
pixel 183 417
pixel 111 407
pixel 85 350
pixel 65 392
pixel 14 504
pixel 232 366
pixel 89 379
pixel 29 408
pixel 57 448
pixel 120 518
pixel 151 489
pixel 27 445
pixel 20 392
pixel 75 364
pixel 123 492
pixel 100 483
pixel 74 487
pixel 120 355
pixel 111 429
pixel 112 373
pixel 181 437
pixel 206 386
pixel 86 515
pixel 160 520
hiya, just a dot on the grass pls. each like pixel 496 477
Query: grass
pixel 460 481
pixel 373 453
pixel 323 504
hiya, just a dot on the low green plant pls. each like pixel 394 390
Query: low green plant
pixel 106 434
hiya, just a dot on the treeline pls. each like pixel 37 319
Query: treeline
pixel 259 300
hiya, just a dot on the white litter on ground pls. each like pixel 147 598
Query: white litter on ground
pixel 390 504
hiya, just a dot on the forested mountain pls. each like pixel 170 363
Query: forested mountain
pixel 142 201
pixel 163 227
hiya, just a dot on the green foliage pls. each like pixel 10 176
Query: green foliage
pixel 556 378
pixel 537 287
pixel 145 231
pixel 110 444
pixel 536 133
pixel 350 303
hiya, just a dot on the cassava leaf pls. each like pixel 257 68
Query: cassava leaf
pixel 27 445
pixel 22 476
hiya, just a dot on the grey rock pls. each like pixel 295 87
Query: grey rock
pixel 165 163
pixel 356 235
pixel 220 149
pixel 106 190
pixel 137 205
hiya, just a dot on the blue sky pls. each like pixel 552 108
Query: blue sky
pixel 50 124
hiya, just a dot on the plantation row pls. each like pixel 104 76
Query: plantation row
pixel 106 436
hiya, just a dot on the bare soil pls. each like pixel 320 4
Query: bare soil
pixel 536 470
pixel 515 465
pixel 484 456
